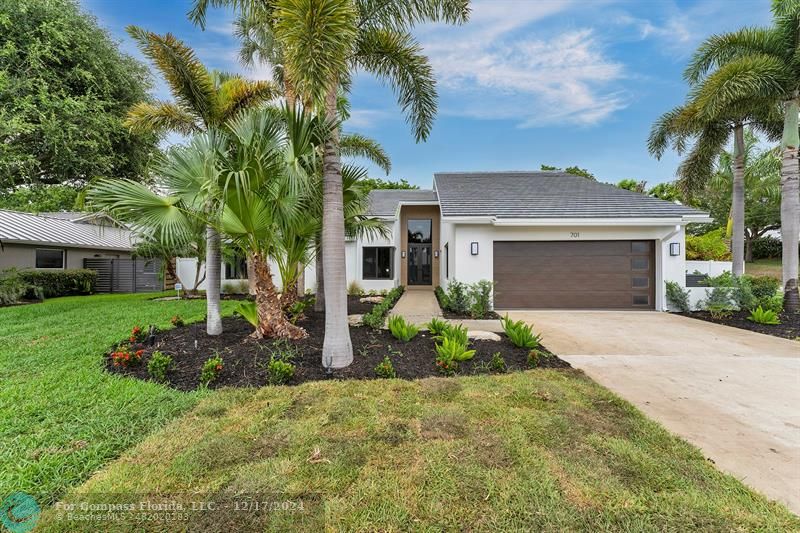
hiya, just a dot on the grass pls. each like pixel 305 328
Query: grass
pixel 541 450
pixel 61 415
pixel 764 267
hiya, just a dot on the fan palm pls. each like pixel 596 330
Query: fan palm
pixel 322 42
pixel 762 64
pixel 204 101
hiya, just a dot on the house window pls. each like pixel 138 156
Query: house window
pixel 377 262
pixel 236 268
pixel 419 231
pixel 446 260
pixel 49 258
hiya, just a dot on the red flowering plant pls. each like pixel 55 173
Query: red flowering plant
pixel 177 321
pixel 124 357
pixel 138 334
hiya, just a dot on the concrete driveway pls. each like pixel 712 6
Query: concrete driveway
pixel 733 393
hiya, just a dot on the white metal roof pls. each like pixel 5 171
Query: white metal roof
pixel 26 228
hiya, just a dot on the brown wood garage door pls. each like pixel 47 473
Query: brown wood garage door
pixel 574 275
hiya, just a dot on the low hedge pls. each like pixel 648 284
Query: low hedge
pixel 377 315
pixel 55 283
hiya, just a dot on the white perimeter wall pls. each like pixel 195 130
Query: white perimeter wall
pixel 470 268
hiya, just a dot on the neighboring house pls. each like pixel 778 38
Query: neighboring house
pixel 60 240
pixel 546 239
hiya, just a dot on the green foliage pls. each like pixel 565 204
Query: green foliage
pixel 457 299
pixel 764 288
pixel 377 315
pixel 354 289
pixel 436 326
pixel 519 333
pixel 441 297
pixel 453 350
pixel 401 329
pixel 677 296
pixel 370 184
pixel 385 369
pixel 13 287
pixel 667 191
pixel 235 287
pixel 280 368
pixel 766 248
pixel 630 184
pixel 534 356
pixel 248 311
pixel 296 310
pixel 574 170
pixel 65 88
pixel 177 321
pixel 498 364
pixel 54 283
pixel 764 316
pixel 455 332
pixel 158 366
pixel 211 370
pixel 37 198
pixel 481 295
pixel 729 293
pixel 708 247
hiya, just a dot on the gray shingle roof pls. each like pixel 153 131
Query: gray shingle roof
pixel 25 228
pixel 545 195
pixel 384 202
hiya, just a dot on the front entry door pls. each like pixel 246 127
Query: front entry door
pixel 419 264
pixel 420 252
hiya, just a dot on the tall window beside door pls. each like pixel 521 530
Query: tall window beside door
pixel 377 262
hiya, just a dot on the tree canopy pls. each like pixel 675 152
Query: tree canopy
pixel 64 90
pixel 574 170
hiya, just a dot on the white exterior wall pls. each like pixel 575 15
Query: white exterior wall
pixel 447 264
pixel 356 256
pixel 711 268
pixel 186 266
pixel 471 268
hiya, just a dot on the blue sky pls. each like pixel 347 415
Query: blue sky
pixel 526 82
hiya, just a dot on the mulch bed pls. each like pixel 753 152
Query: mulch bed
pixel 245 358
pixel 491 315
pixel 789 328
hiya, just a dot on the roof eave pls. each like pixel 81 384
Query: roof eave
pixel 66 245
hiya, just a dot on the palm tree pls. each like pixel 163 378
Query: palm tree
pixel 204 101
pixel 322 42
pixel 709 134
pixel 762 65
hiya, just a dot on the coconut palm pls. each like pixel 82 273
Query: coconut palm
pixel 761 64
pixel 322 42
pixel 204 101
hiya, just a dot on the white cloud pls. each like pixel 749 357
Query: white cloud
pixel 496 69
pixel 366 118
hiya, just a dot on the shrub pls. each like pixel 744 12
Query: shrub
pixel 436 326
pixel 296 310
pixel 177 321
pixel 248 311
pixel 458 300
pixel 763 288
pixel 235 287
pixel 534 356
pixel 354 289
pixel 728 294
pixel 402 330
pixel 708 247
pixel 677 296
pixel 377 315
pixel 280 368
pixel 763 316
pixel 481 298
pixel 385 369
pixel 766 248
pixel 61 282
pixel 13 287
pixel 211 370
pixel 138 334
pixel 774 304
pixel 450 349
pixel 125 358
pixel 444 303
pixel 158 366
pixel 498 364
pixel 519 333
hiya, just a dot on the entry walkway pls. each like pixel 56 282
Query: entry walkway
pixel 417 306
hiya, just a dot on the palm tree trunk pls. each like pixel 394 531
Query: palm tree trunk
pixel 748 247
pixel 213 274
pixel 271 320
pixel 337 348
pixel 790 202
pixel 319 299
pixel 737 202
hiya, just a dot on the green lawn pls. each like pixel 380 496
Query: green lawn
pixel 535 451
pixel 61 415
pixel 764 267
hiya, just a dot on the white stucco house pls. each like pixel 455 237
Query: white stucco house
pixel 546 239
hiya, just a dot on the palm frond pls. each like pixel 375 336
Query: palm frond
pixel 720 49
pixel 357 145
pixel 397 59
pixel 695 171
pixel 236 94
pixel 189 81
pixel 158 117
pixel 405 14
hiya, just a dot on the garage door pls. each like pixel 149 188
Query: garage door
pixel 574 275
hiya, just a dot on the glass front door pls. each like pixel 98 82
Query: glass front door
pixel 420 252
